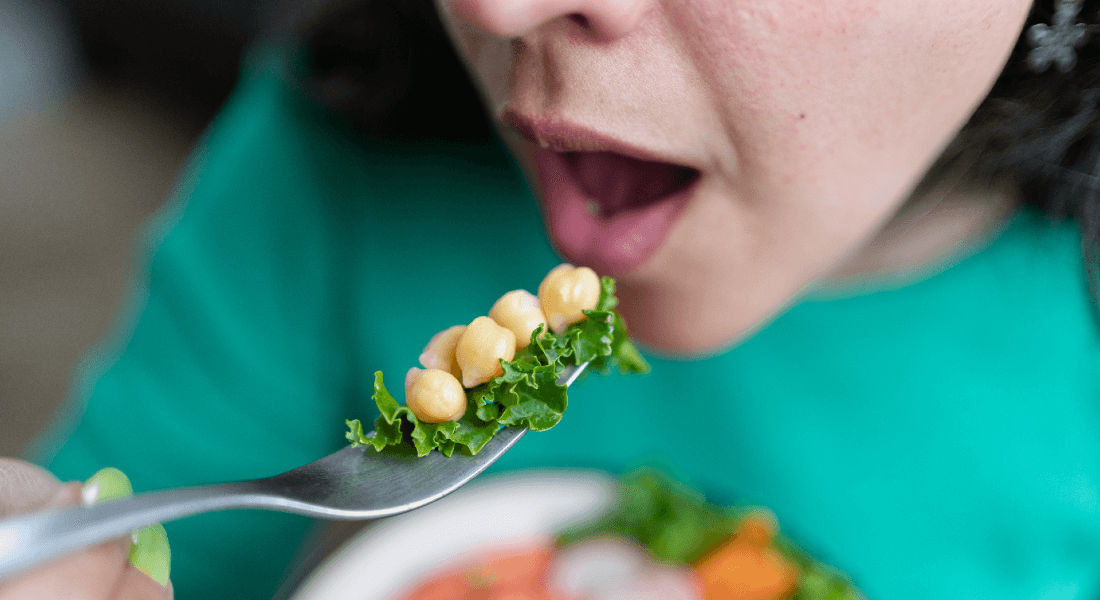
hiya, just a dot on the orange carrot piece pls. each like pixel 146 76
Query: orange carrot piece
pixel 747 566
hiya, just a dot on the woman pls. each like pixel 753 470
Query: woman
pixel 811 210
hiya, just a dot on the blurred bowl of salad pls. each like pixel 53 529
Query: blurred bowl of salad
pixel 576 535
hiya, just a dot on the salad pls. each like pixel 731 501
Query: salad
pixel 660 540
pixel 502 369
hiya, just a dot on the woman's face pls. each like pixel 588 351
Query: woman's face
pixel 719 156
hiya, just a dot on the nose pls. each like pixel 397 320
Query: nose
pixel 607 19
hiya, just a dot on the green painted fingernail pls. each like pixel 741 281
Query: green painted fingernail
pixel 106 484
pixel 151 554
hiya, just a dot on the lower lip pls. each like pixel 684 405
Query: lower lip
pixel 612 246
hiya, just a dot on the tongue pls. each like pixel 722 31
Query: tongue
pixel 619 183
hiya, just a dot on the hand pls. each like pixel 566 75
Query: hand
pixel 100 573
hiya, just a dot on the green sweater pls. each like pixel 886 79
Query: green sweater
pixel 936 439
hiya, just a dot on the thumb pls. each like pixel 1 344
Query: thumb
pixel 25 487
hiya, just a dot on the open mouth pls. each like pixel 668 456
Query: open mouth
pixel 616 183
pixel 609 204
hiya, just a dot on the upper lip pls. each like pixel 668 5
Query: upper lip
pixel 559 135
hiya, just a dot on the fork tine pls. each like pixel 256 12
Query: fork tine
pixel 345 485
pixel 360 483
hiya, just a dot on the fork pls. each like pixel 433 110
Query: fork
pixel 352 483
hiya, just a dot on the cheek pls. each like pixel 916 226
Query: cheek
pixel 821 93
pixel 806 48
pixel 835 108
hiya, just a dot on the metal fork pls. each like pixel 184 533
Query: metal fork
pixel 353 483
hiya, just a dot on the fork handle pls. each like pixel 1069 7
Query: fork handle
pixel 30 540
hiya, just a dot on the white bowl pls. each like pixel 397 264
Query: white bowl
pixel 491 513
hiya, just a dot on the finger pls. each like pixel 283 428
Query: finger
pixel 135 585
pixel 92 574
pixel 88 575
pixel 66 495
pixel 149 556
pixel 105 572
pixel 150 552
pixel 24 487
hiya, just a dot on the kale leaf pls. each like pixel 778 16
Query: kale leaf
pixel 526 395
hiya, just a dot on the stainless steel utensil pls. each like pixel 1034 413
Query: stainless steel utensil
pixel 353 483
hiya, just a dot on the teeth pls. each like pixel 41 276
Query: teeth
pixel 592 207
pixel 543 142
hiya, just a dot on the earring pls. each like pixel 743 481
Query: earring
pixel 1055 43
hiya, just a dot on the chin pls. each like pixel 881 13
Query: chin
pixel 678 321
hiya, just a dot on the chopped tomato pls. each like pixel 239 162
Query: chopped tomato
pixel 515 574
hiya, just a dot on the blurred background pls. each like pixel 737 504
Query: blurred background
pixel 100 102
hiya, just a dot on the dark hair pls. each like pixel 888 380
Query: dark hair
pixel 1041 131
pixel 387 65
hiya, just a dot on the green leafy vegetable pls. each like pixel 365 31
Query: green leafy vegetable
pixel 676 524
pixel 624 354
pixel 526 395
pixel 662 515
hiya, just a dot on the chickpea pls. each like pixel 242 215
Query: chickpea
pixel 481 348
pixel 565 292
pixel 434 396
pixel 410 378
pixel 519 311
pixel 440 351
